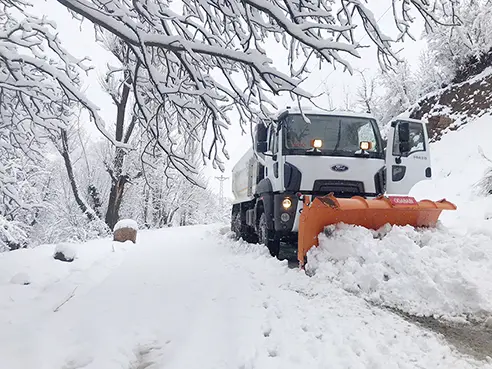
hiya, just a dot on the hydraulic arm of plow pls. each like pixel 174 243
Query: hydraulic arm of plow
pixel 371 214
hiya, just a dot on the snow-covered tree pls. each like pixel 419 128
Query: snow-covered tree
pixel 401 91
pixel 202 62
pixel 367 94
pixel 39 87
pixel 118 83
pixel 430 75
pixel 471 35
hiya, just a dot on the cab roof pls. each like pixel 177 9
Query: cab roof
pixel 307 110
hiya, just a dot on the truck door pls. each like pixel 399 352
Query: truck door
pixel 273 163
pixel 407 156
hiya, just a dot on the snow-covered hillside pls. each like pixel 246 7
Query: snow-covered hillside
pixel 458 167
pixel 192 298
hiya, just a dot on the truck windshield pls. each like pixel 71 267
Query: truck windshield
pixel 341 135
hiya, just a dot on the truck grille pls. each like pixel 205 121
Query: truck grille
pixel 343 189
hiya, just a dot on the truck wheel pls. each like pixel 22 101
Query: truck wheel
pixel 267 237
pixel 241 230
pixel 236 225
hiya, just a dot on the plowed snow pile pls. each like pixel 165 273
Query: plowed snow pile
pixel 427 272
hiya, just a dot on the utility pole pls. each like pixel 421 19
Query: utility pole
pixel 221 189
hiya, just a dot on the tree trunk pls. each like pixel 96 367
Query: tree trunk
pixel 117 187
pixel 118 180
pixel 171 215
pixel 146 207
pixel 115 199
pixel 73 184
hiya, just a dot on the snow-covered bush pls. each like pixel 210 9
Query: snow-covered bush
pixel 484 186
pixel 12 235
pixel 470 37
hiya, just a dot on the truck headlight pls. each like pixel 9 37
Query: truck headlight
pixel 286 203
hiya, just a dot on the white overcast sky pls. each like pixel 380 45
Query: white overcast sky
pixel 79 40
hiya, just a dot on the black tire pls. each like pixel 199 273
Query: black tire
pixel 267 237
pixel 236 225
pixel 241 230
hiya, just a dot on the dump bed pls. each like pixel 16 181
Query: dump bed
pixel 244 177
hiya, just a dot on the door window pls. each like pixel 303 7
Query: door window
pixel 273 139
pixel 409 138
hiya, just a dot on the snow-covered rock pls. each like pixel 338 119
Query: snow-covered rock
pixel 21 278
pixel 488 322
pixel 65 252
pixel 125 230
pixel 126 223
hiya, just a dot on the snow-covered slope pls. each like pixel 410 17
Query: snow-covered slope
pixel 445 271
pixel 458 167
pixel 192 298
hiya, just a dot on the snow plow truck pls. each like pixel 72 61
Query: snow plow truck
pixel 308 169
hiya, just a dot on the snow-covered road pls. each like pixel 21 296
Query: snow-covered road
pixel 192 298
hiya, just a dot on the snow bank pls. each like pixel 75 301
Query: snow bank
pixel 314 323
pixel 422 272
pixel 33 281
pixel 126 223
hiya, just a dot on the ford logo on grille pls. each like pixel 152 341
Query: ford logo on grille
pixel 339 168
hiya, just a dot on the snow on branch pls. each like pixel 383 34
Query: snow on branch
pixel 39 90
pixel 198 65
pixel 39 81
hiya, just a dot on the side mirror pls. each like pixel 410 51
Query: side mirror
pixel 261 138
pixel 261 147
pixel 261 132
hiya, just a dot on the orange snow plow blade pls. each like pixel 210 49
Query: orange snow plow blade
pixel 371 214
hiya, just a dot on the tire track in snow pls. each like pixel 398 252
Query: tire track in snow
pixel 147 356
pixel 471 338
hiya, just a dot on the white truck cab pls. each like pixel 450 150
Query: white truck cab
pixel 315 152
